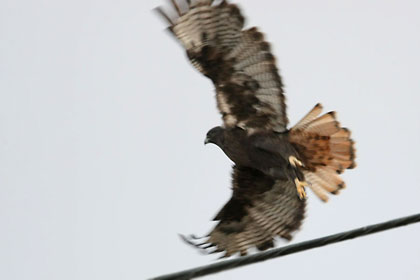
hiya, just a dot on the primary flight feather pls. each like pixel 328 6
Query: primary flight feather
pixel 273 164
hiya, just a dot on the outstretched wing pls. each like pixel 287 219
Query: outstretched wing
pixel 260 210
pixel 249 89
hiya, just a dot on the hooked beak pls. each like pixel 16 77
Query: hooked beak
pixel 206 141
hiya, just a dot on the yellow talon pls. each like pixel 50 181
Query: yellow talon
pixel 294 161
pixel 300 187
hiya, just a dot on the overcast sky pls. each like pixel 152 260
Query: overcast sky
pixel 102 122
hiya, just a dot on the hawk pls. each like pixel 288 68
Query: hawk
pixel 273 164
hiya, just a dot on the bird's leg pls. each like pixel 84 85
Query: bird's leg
pixel 294 161
pixel 300 185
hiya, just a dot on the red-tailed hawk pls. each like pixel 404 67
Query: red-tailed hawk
pixel 273 164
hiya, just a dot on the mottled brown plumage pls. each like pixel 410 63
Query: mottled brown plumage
pixel 271 161
pixel 249 90
pixel 252 217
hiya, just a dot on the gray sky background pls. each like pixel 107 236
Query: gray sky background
pixel 102 124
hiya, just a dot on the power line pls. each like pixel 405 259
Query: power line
pixel 286 250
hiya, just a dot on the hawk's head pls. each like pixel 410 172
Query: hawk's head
pixel 215 136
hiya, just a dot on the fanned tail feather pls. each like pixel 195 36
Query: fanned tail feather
pixel 326 150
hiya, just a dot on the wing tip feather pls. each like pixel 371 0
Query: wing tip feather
pixel 159 11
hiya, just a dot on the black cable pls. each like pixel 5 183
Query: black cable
pixel 286 250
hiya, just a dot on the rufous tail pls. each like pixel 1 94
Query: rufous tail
pixel 326 150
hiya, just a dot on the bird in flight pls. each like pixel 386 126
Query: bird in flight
pixel 273 164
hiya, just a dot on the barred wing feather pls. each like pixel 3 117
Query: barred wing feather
pixel 249 90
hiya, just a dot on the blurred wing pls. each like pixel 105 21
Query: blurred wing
pixel 260 210
pixel 249 89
